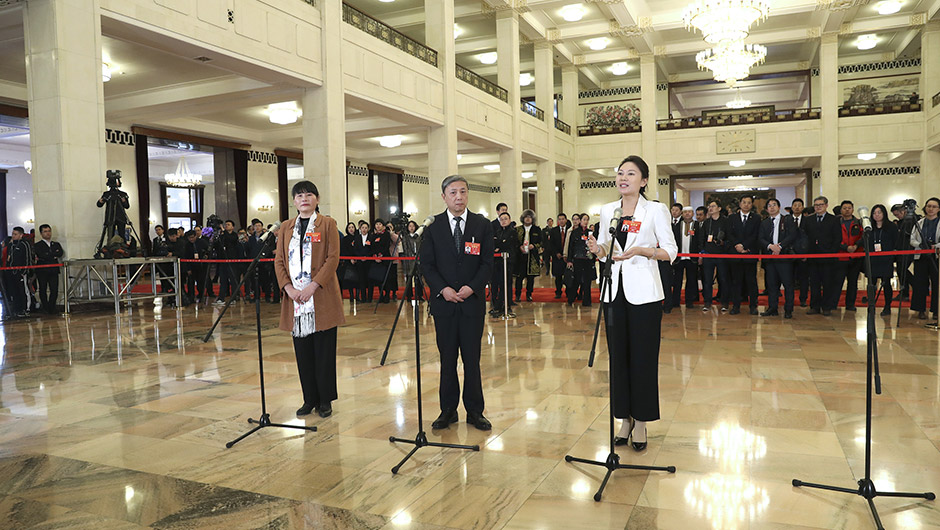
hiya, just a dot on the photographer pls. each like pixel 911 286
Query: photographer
pixel 115 214
pixel 227 247
pixel 174 248
pixel 265 281
pixel 926 235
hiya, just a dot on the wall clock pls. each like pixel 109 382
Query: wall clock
pixel 740 141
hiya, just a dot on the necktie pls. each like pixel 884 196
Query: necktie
pixel 458 235
pixel 818 218
pixel 776 229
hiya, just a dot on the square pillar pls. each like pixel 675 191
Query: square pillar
pixel 442 140
pixel 648 125
pixel 510 160
pixel 544 99
pixel 829 103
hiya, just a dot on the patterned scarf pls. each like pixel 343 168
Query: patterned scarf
pixel 298 257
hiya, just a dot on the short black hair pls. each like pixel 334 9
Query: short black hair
pixel 304 186
pixel 775 200
pixel 897 207
pixel 700 209
pixel 679 204
pixel 191 233
pixel 172 233
pixel 158 226
pixel 843 203
pixel 230 221
pixel 501 205
pixel 379 220
pixel 562 214
pixel 797 200
pixel 19 229
pixel 363 222
pixel 256 221
pixel 504 213
pixel 747 197
pixel 43 227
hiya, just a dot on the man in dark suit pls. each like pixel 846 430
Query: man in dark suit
pixel 47 252
pixel 684 232
pixel 745 226
pixel 457 261
pixel 556 249
pixel 823 235
pixel 778 233
pixel 800 267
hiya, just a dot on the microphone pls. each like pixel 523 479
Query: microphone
pixel 273 229
pixel 866 220
pixel 427 222
pixel 618 213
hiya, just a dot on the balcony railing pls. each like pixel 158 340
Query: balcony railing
pixel 595 130
pixel 882 108
pixel 562 126
pixel 479 82
pixel 364 22
pixel 532 110
pixel 739 118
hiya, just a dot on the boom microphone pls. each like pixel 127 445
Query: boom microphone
pixel 270 231
pixel 618 213
pixel 866 220
pixel 427 222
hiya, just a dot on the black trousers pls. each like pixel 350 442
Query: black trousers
pixel 228 280
pixel 497 289
pixel 848 272
pixel 365 287
pixel 821 283
pixel 801 279
pixel 583 276
pixel 924 281
pixel 665 276
pixel 633 335
pixel 886 287
pixel 48 289
pixel 16 291
pixel 529 285
pixel 711 266
pixel 460 334
pixel 744 276
pixel 779 271
pixel 414 288
pixel 689 268
pixel 316 365
pixel 558 271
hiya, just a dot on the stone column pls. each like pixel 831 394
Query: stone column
pixel 648 124
pixel 569 97
pixel 930 85
pixel 545 100
pixel 324 120
pixel 572 192
pixel 66 119
pixel 442 140
pixel 510 160
pixel 828 183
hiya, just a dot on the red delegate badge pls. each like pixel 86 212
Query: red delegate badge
pixel 631 227
pixel 316 237
pixel 471 248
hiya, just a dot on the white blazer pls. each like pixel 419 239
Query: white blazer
pixel 916 238
pixel 642 283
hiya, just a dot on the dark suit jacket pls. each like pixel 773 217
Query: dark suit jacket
pixel 47 254
pixel 822 237
pixel 745 234
pixel 787 238
pixel 442 266
pixel 693 238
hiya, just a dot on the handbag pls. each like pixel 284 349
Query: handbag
pixel 377 273
pixel 351 275
pixel 568 276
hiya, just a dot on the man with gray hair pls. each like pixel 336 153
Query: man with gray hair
pixel 823 235
pixel 457 262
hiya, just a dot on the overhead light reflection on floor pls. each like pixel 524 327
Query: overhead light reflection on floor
pixel 398 384
pixel 399 416
pixel 402 519
pixel 731 446
pixel 581 486
pixel 728 502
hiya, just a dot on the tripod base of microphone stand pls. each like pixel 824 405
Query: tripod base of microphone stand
pixel 421 440
pixel 265 421
pixel 612 464
pixel 866 489
pixel 932 326
pixel 507 316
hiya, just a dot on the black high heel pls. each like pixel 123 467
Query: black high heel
pixel 624 441
pixel 639 446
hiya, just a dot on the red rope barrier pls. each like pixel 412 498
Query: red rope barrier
pixel 809 256
pixel 31 267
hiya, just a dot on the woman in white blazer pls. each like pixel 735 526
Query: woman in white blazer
pixel 925 235
pixel 642 236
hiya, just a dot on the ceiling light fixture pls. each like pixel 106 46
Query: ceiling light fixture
pixel 28 166
pixel 724 20
pixel 487 58
pixel 459 157
pixel 738 102
pixel 619 68
pixel 598 43
pixel 283 113
pixel 572 12
pixel 182 177
pixel 736 163
pixel 867 41
pixel 390 141
pixel 525 79
pixel 457 31
pixel 527 174
pixel 867 156
pixel 491 167
pixel 105 72
pixel 731 62
pixel 888 7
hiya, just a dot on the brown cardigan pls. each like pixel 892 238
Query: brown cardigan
pixel 324 258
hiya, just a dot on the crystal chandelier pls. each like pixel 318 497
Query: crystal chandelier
pixel 724 20
pixel 731 62
pixel 738 102
pixel 182 177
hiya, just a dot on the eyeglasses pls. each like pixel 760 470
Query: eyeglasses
pixel 819 204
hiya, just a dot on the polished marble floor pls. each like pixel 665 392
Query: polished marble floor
pixel 120 422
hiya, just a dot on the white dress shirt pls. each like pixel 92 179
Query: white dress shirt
pixel 686 239
pixel 453 223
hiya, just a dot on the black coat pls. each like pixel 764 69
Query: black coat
pixel 693 237
pixel 506 240
pixel 577 244
pixel 787 239
pixel 745 234
pixel 718 229
pixel 443 266
pixel 47 254
pixel 822 237
pixel 887 236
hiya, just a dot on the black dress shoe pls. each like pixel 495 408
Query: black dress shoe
pixel 753 310
pixel 306 409
pixel 528 298
pixel 478 421
pixel 325 411
pixel 638 446
pixel 667 310
pixel 813 311
pixel 445 419
pixel 886 312
pixel 788 314
pixel 826 312
pixel 770 313
pixel 852 308
pixel 734 311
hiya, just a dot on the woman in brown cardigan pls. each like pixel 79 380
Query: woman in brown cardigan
pixel 312 306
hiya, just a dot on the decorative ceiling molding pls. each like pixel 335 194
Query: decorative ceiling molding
pixel 616 30
pixel 812 33
pixel 839 5
pixel 919 19
pixel 553 35
pixel 520 7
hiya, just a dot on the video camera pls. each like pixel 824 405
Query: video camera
pixel 910 207
pixel 114 178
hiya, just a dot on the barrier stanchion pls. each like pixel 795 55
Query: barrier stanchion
pixel 506 314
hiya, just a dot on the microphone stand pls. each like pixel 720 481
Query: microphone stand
pixel 605 279
pixel 421 439
pixel 866 487
pixel 613 459
pixel 265 419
